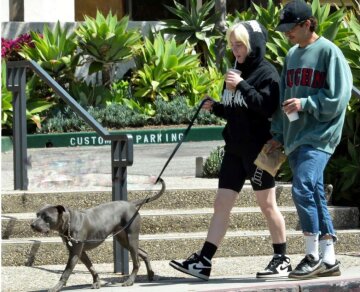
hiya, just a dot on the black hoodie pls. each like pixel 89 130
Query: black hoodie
pixel 248 121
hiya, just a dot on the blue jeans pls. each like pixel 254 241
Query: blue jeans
pixel 307 165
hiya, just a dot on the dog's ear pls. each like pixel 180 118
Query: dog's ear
pixel 60 208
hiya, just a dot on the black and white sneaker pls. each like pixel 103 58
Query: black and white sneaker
pixel 195 265
pixel 307 268
pixel 278 267
pixel 331 270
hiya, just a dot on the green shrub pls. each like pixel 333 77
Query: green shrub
pixel 193 25
pixel 343 170
pixel 118 116
pixel 55 51
pixel 159 67
pixel 213 163
pixel 106 41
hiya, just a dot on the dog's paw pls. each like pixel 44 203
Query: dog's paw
pixel 128 282
pixel 57 287
pixel 96 285
pixel 151 275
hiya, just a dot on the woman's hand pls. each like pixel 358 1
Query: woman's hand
pixel 208 104
pixel 232 79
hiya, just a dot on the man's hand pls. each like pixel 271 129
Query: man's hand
pixel 292 105
pixel 271 145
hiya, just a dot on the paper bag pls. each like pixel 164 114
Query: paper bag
pixel 270 162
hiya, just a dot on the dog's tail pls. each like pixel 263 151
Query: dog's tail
pixel 153 198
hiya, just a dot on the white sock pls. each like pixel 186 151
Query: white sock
pixel 312 245
pixel 328 251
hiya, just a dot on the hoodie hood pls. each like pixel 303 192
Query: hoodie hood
pixel 258 37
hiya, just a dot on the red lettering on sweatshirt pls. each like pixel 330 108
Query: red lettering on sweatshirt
pixel 305 77
pixel 318 80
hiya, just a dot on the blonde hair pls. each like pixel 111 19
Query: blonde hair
pixel 241 34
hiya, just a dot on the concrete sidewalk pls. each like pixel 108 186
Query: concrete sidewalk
pixel 225 277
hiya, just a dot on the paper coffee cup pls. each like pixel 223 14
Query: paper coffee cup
pixel 293 116
pixel 235 71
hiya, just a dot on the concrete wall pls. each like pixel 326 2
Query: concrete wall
pixel 42 10
pixel 4 14
pixel 12 29
pixel 49 10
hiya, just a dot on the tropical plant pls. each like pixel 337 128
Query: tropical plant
pixel 161 64
pixel 10 48
pixel 120 90
pixel 343 170
pixel 6 102
pixel 198 83
pixel 35 106
pixel 106 41
pixel 54 51
pixel 89 94
pixel 195 26
pixel 351 45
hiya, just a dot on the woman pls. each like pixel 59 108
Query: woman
pixel 249 99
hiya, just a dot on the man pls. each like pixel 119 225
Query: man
pixel 316 83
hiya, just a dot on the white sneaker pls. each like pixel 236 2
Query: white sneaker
pixel 195 265
pixel 278 267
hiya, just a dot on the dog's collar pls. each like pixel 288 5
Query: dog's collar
pixel 68 237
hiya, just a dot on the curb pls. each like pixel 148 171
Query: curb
pixel 151 136
pixel 317 285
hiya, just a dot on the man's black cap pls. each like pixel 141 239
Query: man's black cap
pixel 293 13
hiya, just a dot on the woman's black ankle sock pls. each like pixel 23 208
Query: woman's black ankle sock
pixel 208 250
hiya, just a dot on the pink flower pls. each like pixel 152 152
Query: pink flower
pixel 10 48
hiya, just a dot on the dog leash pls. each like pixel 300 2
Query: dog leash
pixel 186 132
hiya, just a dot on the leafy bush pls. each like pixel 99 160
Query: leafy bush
pixel 194 26
pixel 55 51
pixel 36 107
pixel 118 116
pixel 105 41
pixel 90 95
pixel 195 84
pixel 213 163
pixel 343 170
pixel 160 65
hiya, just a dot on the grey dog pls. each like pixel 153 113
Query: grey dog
pixel 85 230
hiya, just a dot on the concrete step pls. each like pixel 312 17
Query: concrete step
pixel 26 202
pixel 45 251
pixel 17 225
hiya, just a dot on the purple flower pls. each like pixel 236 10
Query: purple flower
pixel 10 48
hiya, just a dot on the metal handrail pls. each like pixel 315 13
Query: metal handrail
pixel 121 144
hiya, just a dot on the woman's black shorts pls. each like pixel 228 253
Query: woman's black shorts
pixel 235 169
